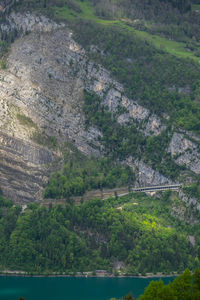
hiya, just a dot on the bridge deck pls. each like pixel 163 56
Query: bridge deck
pixel 157 188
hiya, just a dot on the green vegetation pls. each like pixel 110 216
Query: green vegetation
pixel 124 14
pixel 3 51
pixel 118 140
pixel 157 61
pixel 137 58
pixel 81 174
pixel 122 141
pixel 176 20
pixel 178 49
pixel 25 120
pixel 92 235
pixel 193 190
pixel 196 7
pixel 3 64
pixel 76 9
pixel 139 67
pixel 43 139
pixel 87 12
pixel 184 287
pixel 3 48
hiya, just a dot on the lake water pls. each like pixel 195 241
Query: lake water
pixel 70 288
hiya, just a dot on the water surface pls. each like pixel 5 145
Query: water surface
pixel 70 288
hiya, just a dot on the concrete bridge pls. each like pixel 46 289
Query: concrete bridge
pixel 155 188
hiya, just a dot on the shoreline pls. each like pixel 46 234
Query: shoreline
pixel 26 274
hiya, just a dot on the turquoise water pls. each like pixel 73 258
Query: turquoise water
pixel 70 288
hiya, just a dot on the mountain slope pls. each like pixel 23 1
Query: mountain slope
pixel 90 101
pixel 137 108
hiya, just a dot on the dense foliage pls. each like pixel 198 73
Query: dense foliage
pixel 81 174
pixel 122 141
pixel 176 19
pixel 143 9
pixel 150 76
pixel 136 230
pixel 3 51
pixel 184 287
pixel 193 190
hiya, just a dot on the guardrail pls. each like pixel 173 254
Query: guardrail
pixel 174 187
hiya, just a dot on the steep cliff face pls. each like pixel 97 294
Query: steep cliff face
pixel 23 168
pixel 41 92
pixel 186 151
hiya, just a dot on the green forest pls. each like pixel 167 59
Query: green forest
pixel 139 67
pixel 81 174
pixel 184 287
pixel 137 230
pixel 122 141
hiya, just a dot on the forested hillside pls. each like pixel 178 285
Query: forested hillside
pixel 97 95
pixel 133 235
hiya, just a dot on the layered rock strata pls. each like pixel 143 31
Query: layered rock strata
pixel 47 72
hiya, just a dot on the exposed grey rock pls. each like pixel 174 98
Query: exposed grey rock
pixel 146 176
pixel 45 79
pixel 29 152
pixel 191 239
pixel 27 22
pixel 44 85
pixel 135 111
pixel 23 169
pixel 185 152
pixel 188 200
pixel 190 135
pixel 114 99
pixel 154 126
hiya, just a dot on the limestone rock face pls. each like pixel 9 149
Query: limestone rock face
pixel 189 200
pixel 185 152
pixel 114 99
pixel 41 83
pixel 154 126
pixel 23 168
pixel 41 91
pixel 27 22
pixel 146 176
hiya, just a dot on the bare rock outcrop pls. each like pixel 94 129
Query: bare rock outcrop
pixel 146 176
pixel 47 72
pixel 23 168
pixel 185 152
pixel 189 201
pixel 27 22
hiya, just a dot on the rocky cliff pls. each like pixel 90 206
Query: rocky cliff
pixel 41 94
